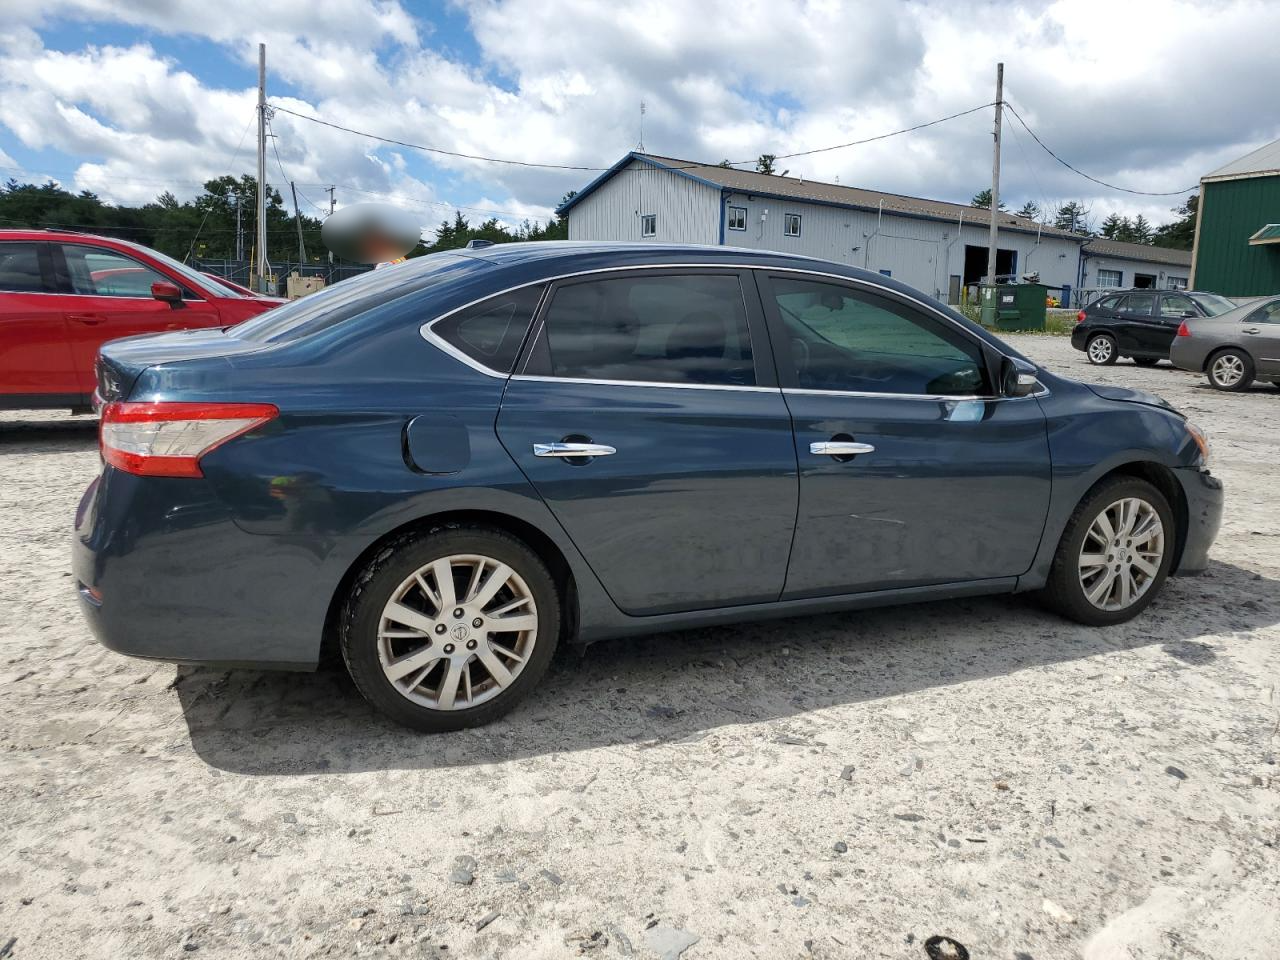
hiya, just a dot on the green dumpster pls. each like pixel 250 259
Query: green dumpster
pixel 1014 306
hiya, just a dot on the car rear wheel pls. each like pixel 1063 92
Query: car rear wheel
pixel 1146 361
pixel 1230 370
pixel 1101 349
pixel 1114 555
pixel 451 629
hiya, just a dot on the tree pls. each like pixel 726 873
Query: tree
pixel 765 164
pixel 1030 210
pixel 982 200
pixel 1181 233
pixel 1114 226
pixel 1074 216
pixel 1140 231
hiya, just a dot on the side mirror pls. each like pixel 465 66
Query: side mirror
pixel 1017 378
pixel 169 292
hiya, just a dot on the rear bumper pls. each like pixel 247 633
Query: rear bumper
pixel 1186 354
pixel 1204 515
pixel 163 573
pixel 1079 334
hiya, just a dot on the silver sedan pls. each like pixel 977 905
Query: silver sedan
pixel 1232 349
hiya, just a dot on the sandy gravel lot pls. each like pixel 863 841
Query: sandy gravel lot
pixel 840 786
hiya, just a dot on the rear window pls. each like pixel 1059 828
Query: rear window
pixel 352 297
pixel 20 268
pixel 1212 303
pixel 491 332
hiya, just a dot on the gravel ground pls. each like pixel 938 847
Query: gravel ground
pixel 838 786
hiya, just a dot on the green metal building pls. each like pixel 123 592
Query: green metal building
pixel 1237 246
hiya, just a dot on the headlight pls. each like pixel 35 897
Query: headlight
pixel 1202 442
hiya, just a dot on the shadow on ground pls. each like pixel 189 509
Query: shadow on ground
pixel 681 686
pixel 70 433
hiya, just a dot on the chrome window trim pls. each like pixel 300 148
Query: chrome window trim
pixel 431 337
pixel 536 378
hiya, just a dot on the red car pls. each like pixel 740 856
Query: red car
pixel 63 295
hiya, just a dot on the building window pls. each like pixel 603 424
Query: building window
pixel 1176 283
pixel 1109 278
pixel 737 218
pixel 791 225
pixel 649 225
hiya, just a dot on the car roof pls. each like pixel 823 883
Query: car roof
pixel 549 258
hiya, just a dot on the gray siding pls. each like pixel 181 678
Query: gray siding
pixel 686 211
pixel 921 252
pixel 1127 268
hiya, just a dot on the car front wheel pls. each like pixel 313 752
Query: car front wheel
pixel 1101 350
pixel 1114 555
pixel 451 629
pixel 1230 370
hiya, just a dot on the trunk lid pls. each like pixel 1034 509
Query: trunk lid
pixel 121 362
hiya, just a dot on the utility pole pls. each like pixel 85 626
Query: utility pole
pixel 262 168
pixel 995 178
pixel 297 218
pixel 331 186
pixel 239 235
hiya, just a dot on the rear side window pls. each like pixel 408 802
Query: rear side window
pixel 1270 313
pixel 1140 304
pixel 689 329
pixel 491 332
pixel 1107 303
pixel 20 268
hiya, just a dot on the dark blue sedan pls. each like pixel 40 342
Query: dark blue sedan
pixel 450 466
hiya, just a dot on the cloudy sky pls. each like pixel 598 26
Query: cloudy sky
pixel 132 97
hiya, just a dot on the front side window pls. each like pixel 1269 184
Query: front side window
pixel 846 339
pixel 1139 305
pixel 649 225
pixel 491 332
pixel 20 269
pixel 791 225
pixel 1268 313
pixel 1174 307
pixel 689 329
pixel 1108 278
pixel 737 218
pixel 97 272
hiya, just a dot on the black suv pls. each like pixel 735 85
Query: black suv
pixel 1139 323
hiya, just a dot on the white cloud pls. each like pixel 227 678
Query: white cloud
pixel 1146 94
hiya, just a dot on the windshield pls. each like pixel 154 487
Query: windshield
pixel 1212 303
pixel 353 296
pixel 193 277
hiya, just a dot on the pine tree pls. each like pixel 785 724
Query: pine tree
pixel 1074 216
pixel 1181 233
pixel 1030 209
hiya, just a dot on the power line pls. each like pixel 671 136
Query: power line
pixel 1109 186
pixel 580 167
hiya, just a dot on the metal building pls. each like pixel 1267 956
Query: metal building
pixel 1105 264
pixel 1237 248
pixel 939 248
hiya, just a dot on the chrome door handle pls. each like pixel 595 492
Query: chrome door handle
pixel 1251 330
pixel 572 450
pixel 840 448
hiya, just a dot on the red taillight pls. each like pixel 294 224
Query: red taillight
pixel 168 439
pixel 1080 317
pixel 1183 329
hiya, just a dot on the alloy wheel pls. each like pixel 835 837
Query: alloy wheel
pixel 1121 554
pixel 1228 370
pixel 1100 349
pixel 457 632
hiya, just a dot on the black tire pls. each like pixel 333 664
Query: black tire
pixel 1102 350
pixel 397 561
pixel 1245 361
pixel 1063 592
pixel 1146 361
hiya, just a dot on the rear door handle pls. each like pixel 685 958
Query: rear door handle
pixel 840 448
pixel 86 318
pixel 572 450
